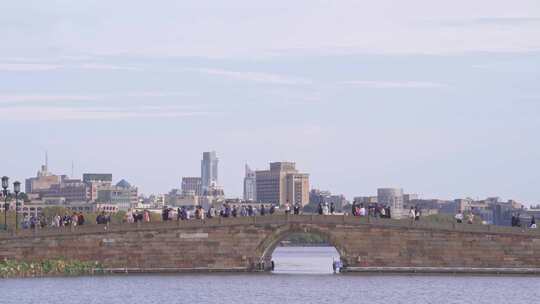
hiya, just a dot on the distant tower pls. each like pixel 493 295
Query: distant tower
pixel 209 170
pixel 44 171
pixel 250 185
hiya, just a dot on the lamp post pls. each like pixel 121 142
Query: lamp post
pixel 16 189
pixel 5 192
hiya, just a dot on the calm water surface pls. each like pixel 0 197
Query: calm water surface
pixel 303 275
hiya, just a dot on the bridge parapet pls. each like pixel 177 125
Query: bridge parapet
pixel 280 219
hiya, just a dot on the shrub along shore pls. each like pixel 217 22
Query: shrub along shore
pixel 47 268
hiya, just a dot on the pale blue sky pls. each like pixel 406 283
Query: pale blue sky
pixel 439 97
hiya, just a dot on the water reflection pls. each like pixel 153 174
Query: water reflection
pixel 304 260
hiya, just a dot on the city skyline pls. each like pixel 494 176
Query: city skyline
pixel 180 185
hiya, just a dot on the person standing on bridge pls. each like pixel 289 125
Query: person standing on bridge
pixel 80 219
pixel 129 217
pixel 533 223
pixel 146 216
pixel 412 214
pixel 383 212
pixel 326 210
pixel 211 212
pixel 470 218
pixel 332 208
pixel 287 208
pixel 56 221
pixel 297 209
pixel 362 211
pixel 164 214
pixel 263 210
pixel 459 217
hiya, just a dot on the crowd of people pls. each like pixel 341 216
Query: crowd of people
pixel 226 210
pixel 231 210
pixel 66 220
pixel 135 216
pixel 516 221
pixel 373 210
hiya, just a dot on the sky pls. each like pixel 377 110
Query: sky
pixel 441 98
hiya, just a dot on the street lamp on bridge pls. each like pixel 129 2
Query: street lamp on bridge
pixel 5 192
pixel 16 189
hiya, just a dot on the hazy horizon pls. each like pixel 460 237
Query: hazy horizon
pixel 439 98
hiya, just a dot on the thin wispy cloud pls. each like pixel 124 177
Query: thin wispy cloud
pixel 102 66
pixel 375 84
pixel 26 67
pixel 21 98
pixel 42 113
pixel 268 78
pixel 159 94
pixel 489 21
pixel 44 97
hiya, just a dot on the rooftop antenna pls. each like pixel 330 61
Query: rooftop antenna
pixel 46 160
pixel 72 169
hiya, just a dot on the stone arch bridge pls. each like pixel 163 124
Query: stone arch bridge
pixel 247 243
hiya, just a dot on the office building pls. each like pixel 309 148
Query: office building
pixel 282 184
pixel 94 182
pixel 73 190
pixel 192 186
pixel 122 195
pixel 43 181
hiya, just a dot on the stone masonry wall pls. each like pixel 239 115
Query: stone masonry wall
pixel 240 244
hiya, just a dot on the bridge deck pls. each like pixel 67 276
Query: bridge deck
pixel 269 220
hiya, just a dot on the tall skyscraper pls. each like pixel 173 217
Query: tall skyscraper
pixel 250 190
pixel 282 184
pixel 209 170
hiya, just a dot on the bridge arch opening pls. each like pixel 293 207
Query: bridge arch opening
pixel 296 250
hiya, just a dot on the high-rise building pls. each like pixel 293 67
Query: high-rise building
pixel 250 187
pixel 393 198
pixel 209 170
pixel 282 184
pixel 192 186
pixel 96 181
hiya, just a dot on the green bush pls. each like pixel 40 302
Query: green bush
pixel 10 268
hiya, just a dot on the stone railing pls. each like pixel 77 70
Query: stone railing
pixel 280 219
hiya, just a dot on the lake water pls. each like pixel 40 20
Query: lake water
pixel 303 275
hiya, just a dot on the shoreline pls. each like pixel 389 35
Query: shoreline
pixel 367 271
